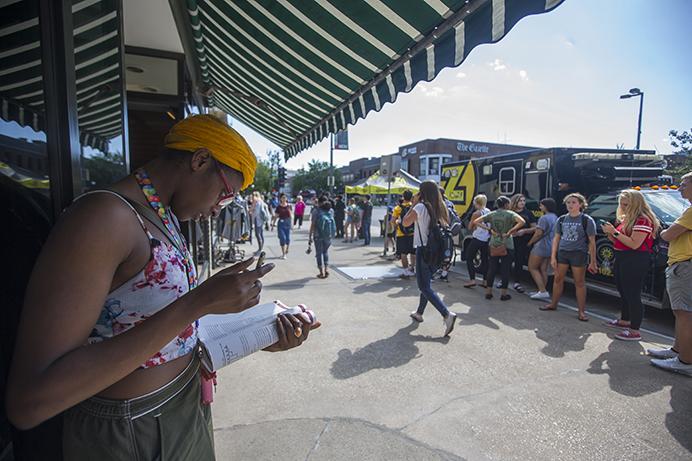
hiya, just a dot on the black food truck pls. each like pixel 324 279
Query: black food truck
pixel 598 174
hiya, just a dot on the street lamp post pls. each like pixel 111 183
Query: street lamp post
pixel 634 92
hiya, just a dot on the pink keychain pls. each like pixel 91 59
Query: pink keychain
pixel 208 386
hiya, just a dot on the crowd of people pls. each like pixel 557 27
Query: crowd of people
pixel 503 241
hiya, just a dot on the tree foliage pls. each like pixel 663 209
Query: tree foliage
pixel 681 162
pixel 315 178
pixel 263 177
pixel 104 168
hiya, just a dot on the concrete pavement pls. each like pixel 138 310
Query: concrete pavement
pixel 511 383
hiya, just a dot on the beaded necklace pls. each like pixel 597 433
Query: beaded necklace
pixel 166 217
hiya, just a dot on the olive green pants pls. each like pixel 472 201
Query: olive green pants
pixel 170 423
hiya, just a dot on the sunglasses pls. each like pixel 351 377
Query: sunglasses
pixel 227 196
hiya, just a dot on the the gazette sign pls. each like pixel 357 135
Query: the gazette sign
pixel 478 148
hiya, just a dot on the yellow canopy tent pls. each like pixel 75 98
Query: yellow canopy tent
pixel 377 184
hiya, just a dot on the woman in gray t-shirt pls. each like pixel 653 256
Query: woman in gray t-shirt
pixel 574 247
pixel 541 244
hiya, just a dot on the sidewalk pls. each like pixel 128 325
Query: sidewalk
pixel 511 383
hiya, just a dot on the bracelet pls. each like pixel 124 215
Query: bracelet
pixel 616 234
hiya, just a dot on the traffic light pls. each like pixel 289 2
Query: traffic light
pixel 282 177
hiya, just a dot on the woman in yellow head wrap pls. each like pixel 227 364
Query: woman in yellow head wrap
pixel 117 263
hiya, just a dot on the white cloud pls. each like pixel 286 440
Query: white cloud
pixel 461 75
pixel 497 65
pixel 524 75
pixel 568 42
pixel 434 91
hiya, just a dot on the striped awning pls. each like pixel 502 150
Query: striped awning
pixel 97 62
pixel 297 70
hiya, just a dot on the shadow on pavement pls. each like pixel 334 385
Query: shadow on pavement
pixel 678 420
pixel 392 352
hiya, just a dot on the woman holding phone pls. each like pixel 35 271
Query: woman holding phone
pixel 633 241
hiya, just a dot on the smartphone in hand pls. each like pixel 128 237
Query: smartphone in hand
pixel 260 260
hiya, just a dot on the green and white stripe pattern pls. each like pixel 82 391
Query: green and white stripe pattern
pixel 297 70
pixel 97 58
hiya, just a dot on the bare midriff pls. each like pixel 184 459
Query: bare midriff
pixel 145 380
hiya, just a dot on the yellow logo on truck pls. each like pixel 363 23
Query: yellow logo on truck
pixel 459 183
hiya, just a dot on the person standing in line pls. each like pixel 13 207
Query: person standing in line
pixel 322 230
pixel 633 241
pixel 299 212
pixel 283 226
pixel 404 235
pixel 574 247
pixel 521 238
pixel 678 282
pixel 541 244
pixel 503 224
pixel 428 208
pixel 366 221
pixel 259 216
pixel 479 242
pixel 339 215
pixel 352 221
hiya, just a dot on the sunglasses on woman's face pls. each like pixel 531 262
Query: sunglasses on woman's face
pixel 226 196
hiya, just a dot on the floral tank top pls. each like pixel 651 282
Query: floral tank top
pixel 163 280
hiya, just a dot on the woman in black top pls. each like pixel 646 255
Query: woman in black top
pixel 521 238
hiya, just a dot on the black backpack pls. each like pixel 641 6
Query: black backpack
pixel 454 220
pixel 407 230
pixel 439 250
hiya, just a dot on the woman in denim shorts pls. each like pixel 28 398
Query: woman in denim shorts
pixel 574 247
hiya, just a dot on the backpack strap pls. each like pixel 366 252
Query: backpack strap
pixel 584 223
pixel 560 220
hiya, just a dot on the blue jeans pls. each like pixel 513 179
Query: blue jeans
pixel 366 232
pixel 259 233
pixel 424 274
pixel 283 228
pixel 321 248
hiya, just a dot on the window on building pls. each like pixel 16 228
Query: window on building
pixel 423 166
pixel 404 164
pixel 506 179
pixel 434 166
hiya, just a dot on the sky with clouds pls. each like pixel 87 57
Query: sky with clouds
pixel 554 80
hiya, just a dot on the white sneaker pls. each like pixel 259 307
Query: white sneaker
pixel 540 295
pixel 668 353
pixel 416 316
pixel 674 364
pixel 449 322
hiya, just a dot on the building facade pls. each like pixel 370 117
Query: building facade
pixel 424 159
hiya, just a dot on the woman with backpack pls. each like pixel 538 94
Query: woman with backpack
pixel 283 214
pixel 352 221
pixel 633 241
pixel 260 217
pixel 541 245
pixel 574 247
pixel 322 230
pixel 428 210
pixel 503 224
pixel 478 243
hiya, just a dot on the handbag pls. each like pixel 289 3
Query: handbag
pixel 497 251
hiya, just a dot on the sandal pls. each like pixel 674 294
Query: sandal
pixel 488 296
pixel 505 297
pixel 583 318
pixel 547 308
pixel 518 287
pixel 326 273
pixel 470 285
pixel 321 276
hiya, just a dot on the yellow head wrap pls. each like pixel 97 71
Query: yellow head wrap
pixel 223 142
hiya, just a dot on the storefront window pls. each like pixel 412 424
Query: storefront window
pixel 23 153
pixel 423 166
pixel 99 91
